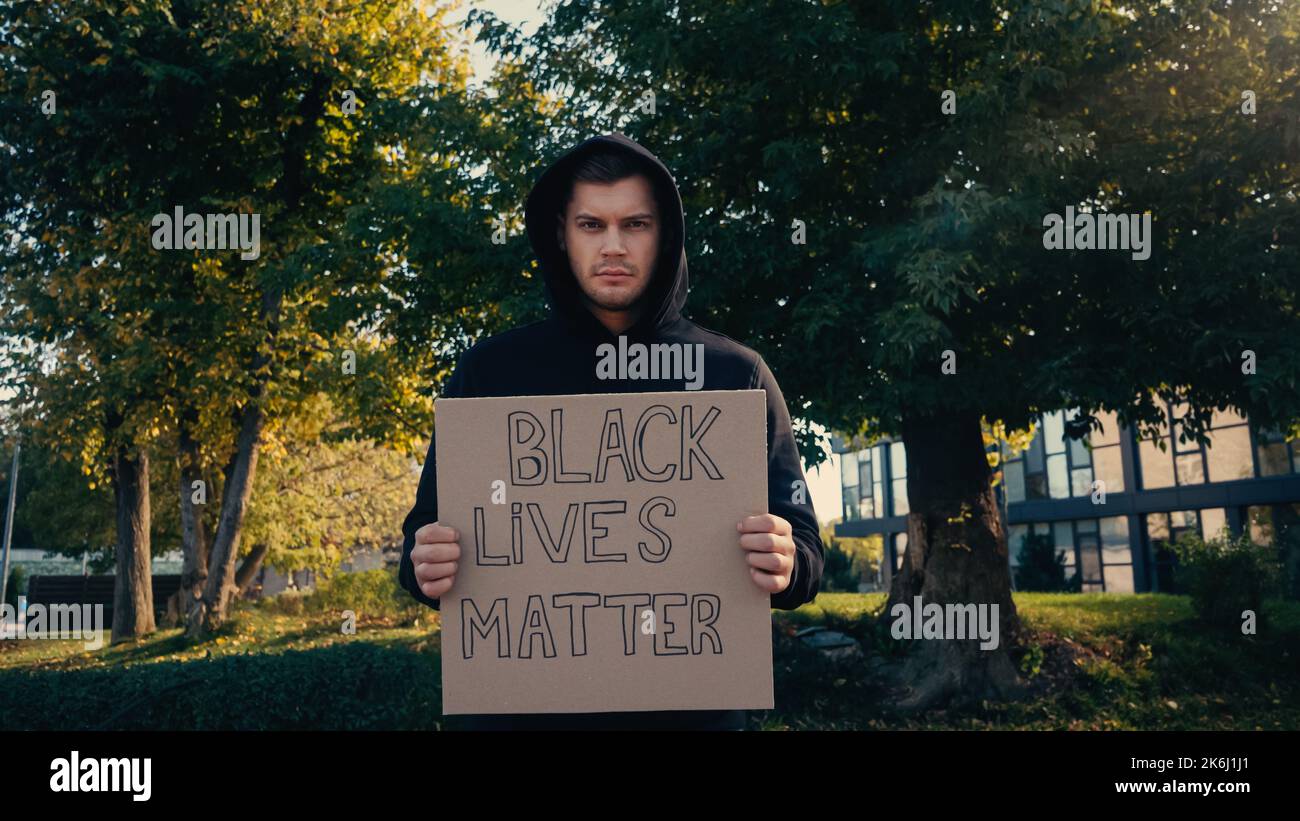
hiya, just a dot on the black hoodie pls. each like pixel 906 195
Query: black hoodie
pixel 558 356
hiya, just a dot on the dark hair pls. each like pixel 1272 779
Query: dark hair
pixel 607 165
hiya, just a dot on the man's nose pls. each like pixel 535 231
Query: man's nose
pixel 613 242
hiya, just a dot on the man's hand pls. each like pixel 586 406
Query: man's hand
pixel 436 555
pixel 769 549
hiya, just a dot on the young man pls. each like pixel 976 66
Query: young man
pixel 607 225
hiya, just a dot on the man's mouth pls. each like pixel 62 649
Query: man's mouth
pixel 613 272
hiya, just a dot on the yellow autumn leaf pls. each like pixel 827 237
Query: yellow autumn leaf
pixel 101 60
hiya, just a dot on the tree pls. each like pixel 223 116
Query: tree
pixel 867 187
pixel 296 111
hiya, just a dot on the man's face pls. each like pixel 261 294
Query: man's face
pixel 611 235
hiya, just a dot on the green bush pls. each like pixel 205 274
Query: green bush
pixel 838 574
pixel 1225 576
pixel 371 593
pixel 1288 544
pixel 1041 568
pixel 351 686
pixel 849 561
pixel 286 603
pixel 17 585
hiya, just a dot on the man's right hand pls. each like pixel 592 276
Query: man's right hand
pixel 436 555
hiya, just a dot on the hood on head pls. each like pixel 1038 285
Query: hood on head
pixel 666 294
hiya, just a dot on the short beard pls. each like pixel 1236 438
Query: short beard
pixel 618 305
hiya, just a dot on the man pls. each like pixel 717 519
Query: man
pixel 607 224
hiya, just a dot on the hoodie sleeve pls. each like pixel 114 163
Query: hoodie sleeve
pixel 783 470
pixel 425 510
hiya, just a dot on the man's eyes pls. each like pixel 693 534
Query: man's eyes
pixel 633 223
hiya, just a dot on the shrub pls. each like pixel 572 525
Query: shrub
pixel 368 592
pixel 1288 544
pixel 17 585
pixel 286 603
pixel 1225 576
pixel 1041 568
pixel 350 686
pixel 838 574
pixel 848 562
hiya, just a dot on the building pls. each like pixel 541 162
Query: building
pixel 1112 503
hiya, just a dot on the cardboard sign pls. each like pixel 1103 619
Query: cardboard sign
pixel 601 569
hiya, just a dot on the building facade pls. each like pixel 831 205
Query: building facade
pixel 1112 502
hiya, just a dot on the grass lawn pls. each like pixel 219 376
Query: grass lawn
pixel 1093 661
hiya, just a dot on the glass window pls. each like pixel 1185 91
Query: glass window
pixel 1274 460
pixel 878 497
pixel 1191 469
pixel 1078 453
pixel 1081 481
pixel 1064 537
pixel 1161 529
pixel 851 504
pixel 1036 486
pixel 849 469
pixel 1157 466
pixel 1109 468
pixel 1089 557
pixel 1114 541
pixel 866 509
pixel 1213 520
pixel 1119 578
pixel 1179 411
pixel 1013 476
pixel 1057 480
pixel 1226 418
pixel 1157 526
pixel 900 497
pixel 1184 519
pixel 864 471
pixel 1228 455
pixel 1109 434
pixel 1015 541
pixel 877 464
pixel 1260 522
pixel 1189 446
pixel 1034 454
pixel 897 460
pixel 1053 432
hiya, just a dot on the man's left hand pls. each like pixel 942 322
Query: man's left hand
pixel 769 550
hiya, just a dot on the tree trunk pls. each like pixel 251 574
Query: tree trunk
pixel 249 567
pixel 956 553
pixel 194 541
pixel 210 610
pixel 133 585
pixel 219 589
